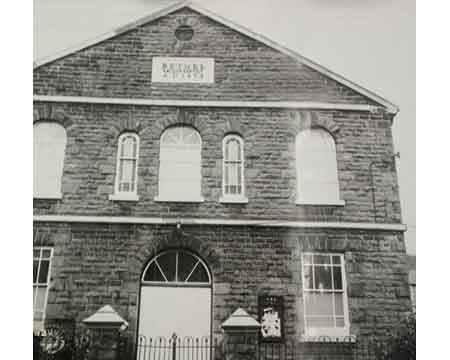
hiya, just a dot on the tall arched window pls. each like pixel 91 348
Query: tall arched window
pixel 49 145
pixel 180 165
pixel 233 186
pixel 317 174
pixel 126 167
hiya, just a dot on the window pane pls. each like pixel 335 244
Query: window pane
pixel 319 304
pixel 186 263
pixel 234 150
pixel 35 269
pixel 317 166
pixel 233 177
pixel 153 273
pixel 337 277
pixel 199 275
pixel 180 163
pixel 340 322
pixel 336 260
pixel 39 297
pixel 322 259
pixel 46 253
pixel 167 262
pixel 227 178
pixel 43 271
pixel 127 170
pixel 339 303
pixel 128 147
pixel 308 277
pixel 322 277
pixel 38 315
pixel 312 321
pixel 190 135
pixel 318 192
pixel 36 253
pixel 239 175
pixel 48 158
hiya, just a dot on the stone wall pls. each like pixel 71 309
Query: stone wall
pixel 269 146
pixel 98 264
pixel 95 264
pixel 245 68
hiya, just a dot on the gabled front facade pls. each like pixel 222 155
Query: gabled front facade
pixel 184 157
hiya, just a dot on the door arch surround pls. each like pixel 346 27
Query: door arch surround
pixel 175 295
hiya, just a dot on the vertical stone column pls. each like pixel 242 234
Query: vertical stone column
pixel 241 336
pixel 104 330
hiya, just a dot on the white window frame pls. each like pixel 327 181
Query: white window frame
pixel 177 282
pixel 301 199
pixel 38 324
pixel 188 197
pixel 233 198
pixel 54 193
pixel 126 195
pixel 326 331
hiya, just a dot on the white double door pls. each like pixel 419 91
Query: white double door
pixel 166 310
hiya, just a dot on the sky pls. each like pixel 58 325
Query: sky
pixel 371 42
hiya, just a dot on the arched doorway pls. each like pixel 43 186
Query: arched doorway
pixel 175 296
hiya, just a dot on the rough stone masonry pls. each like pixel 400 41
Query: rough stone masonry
pixel 101 263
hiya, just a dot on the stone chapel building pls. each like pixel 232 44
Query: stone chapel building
pixel 185 166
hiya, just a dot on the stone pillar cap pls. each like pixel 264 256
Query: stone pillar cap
pixel 105 317
pixel 240 320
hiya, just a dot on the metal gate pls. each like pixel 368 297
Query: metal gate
pixel 177 348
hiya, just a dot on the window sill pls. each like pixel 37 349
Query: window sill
pixel 233 199
pixel 124 197
pixel 57 196
pixel 322 203
pixel 329 338
pixel 161 198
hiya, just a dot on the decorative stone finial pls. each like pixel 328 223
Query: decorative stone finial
pixel 106 317
pixel 240 321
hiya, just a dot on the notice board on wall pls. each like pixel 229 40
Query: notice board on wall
pixel 271 317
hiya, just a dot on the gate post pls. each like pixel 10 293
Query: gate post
pixel 104 328
pixel 174 346
pixel 241 336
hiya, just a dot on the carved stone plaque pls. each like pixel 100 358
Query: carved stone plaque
pixel 183 70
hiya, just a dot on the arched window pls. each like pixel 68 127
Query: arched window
pixel 49 144
pixel 180 165
pixel 233 186
pixel 317 174
pixel 176 266
pixel 126 167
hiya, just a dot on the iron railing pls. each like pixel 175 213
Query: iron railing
pixel 52 344
pixel 189 348
pixel 178 348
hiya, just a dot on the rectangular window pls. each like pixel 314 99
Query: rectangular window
pixel 42 257
pixel 324 295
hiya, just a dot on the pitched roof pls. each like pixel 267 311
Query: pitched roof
pixel 391 107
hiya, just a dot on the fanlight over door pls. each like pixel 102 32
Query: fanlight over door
pixel 176 267
pixel 175 296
